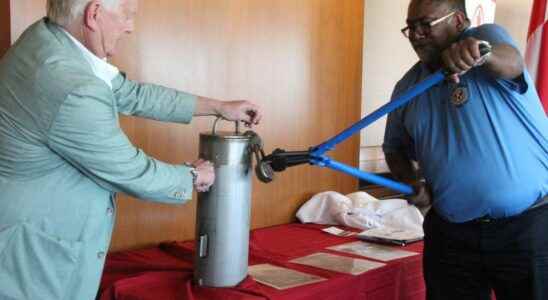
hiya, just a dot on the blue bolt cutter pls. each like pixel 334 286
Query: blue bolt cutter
pixel 280 159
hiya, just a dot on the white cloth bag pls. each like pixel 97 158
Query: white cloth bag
pixel 360 210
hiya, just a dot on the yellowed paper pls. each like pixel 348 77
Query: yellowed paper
pixel 374 251
pixel 332 262
pixel 281 278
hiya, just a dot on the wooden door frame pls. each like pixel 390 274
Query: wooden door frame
pixel 5 27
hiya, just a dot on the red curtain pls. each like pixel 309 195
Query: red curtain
pixel 537 49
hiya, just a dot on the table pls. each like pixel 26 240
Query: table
pixel 165 271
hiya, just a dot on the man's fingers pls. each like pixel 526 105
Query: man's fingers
pixel 458 60
pixel 454 78
pixel 475 51
pixel 421 197
pixel 204 187
pixel 256 115
pixel 201 164
pixel 462 66
pixel 449 63
pixel 206 175
pixel 243 111
pixel 468 57
pixel 461 57
pixel 252 115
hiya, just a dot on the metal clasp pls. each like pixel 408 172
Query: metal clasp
pixel 263 170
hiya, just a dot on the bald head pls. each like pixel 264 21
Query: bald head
pixel 428 40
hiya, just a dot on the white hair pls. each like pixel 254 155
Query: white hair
pixel 64 12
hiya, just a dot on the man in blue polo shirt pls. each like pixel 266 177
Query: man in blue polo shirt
pixel 481 143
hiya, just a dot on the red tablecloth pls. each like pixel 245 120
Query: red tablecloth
pixel 165 272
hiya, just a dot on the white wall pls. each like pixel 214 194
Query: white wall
pixel 514 15
pixel 35 9
pixel 387 54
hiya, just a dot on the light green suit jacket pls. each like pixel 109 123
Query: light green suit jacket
pixel 63 157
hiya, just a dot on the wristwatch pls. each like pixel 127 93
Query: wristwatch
pixel 193 172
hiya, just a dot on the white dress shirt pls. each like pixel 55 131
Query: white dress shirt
pixel 100 67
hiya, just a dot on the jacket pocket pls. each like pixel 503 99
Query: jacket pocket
pixel 36 265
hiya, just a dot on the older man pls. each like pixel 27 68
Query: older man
pixel 481 142
pixel 63 154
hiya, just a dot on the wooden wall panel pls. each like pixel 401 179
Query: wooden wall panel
pixel 24 13
pixel 5 27
pixel 299 59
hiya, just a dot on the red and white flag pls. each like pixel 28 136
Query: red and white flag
pixel 537 49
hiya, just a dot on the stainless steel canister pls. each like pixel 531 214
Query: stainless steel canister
pixel 222 221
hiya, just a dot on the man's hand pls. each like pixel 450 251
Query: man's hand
pixel 205 175
pixel 422 196
pixel 238 110
pixel 403 170
pixel 243 111
pixel 461 57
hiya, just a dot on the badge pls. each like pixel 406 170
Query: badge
pixel 460 95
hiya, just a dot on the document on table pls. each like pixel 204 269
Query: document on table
pixel 395 236
pixel 342 264
pixel 338 232
pixel 378 252
pixel 281 278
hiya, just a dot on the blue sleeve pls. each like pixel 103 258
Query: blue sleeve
pixel 396 138
pixel 497 35
pixel 493 33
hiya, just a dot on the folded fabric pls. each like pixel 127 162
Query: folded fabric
pixel 360 210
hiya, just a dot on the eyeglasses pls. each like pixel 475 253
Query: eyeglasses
pixel 425 27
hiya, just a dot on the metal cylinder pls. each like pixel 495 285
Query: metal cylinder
pixel 223 214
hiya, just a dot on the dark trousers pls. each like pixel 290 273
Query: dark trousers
pixel 466 261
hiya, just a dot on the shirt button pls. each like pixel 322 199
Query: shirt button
pixel 100 255
pixel 110 211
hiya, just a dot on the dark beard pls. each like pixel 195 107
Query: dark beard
pixel 429 55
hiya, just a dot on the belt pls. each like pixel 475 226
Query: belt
pixel 540 202
pixel 483 220
pixel 488 219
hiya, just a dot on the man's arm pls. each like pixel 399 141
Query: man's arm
pixel 152 101
pixel 165 104
pixel 86 134
pixel 398 148
pixel 238 110
pixel 402 168
pixel 504 62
